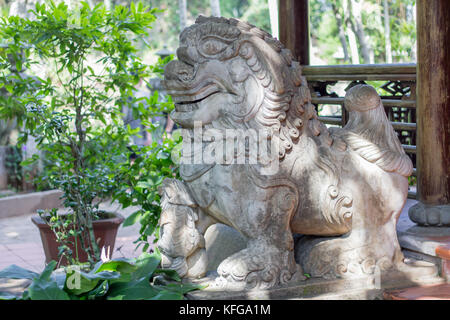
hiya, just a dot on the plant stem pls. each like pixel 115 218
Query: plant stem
pixel 84 212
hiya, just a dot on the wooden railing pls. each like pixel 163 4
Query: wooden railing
pixel 396 84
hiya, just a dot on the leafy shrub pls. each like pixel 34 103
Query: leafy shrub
pixel 117 279
pixel 75 115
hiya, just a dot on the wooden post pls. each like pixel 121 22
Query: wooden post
pixel 293 17
pixel 433 114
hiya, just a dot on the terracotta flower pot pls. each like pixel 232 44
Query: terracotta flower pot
pixel 105 231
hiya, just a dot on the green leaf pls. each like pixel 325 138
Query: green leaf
pixel 172 274
pixel 10 88
pixel 46 274
pixel 183 287
pixel 147 264
pixel 133 290
pixel 149 230
pixel 121 266
pixel 100 291
pixel 79 282
pixel 16 272
pixel 132 219
pixel 41 289
pixel 168 295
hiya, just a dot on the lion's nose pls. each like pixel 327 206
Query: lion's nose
pixel 177 70
pixel 187 54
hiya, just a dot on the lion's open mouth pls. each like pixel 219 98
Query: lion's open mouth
pixel 188 100
pixel 188 106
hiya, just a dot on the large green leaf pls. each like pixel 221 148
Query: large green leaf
pixel 42 289
pixel 133 290
pixel 172 274
pixel 48 270
pixel 117 265
pixel 100 291
pixel 16 272
pixel 181 288
pixel 146 265
pixel 79 282
pixel 132 218
pixel 168 295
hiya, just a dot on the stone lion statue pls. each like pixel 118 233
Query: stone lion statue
pixel 341 189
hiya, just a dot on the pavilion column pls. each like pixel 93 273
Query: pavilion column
pixel 293 18
pixel 433 114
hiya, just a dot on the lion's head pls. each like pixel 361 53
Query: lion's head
pixel 230 74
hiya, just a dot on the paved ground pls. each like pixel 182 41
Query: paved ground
pixel 20 241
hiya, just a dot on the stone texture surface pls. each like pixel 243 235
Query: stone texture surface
pixel 221 242
pixel 343 187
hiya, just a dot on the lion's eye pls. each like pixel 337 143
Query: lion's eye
pixel 213 46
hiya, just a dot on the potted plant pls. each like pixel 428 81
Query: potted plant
pixel 75 110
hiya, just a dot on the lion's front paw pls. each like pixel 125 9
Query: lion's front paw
pixel 260 267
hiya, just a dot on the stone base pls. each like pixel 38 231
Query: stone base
pixel 363 288
pixel 423 243
pixel 428 215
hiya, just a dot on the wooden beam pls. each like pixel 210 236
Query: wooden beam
pixel 293 17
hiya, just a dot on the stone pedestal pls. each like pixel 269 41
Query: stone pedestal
pixel 361 288
pixel 426 243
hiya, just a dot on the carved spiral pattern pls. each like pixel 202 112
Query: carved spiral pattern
pixel 368 265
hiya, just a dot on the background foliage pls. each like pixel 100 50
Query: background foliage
pixel 327 47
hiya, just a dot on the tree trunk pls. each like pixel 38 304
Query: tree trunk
pixel 414 48
pixel 387 32
pixel 339 21
pixel 350 34
pixel 215 8
pixel 182 6
pixel 357 27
